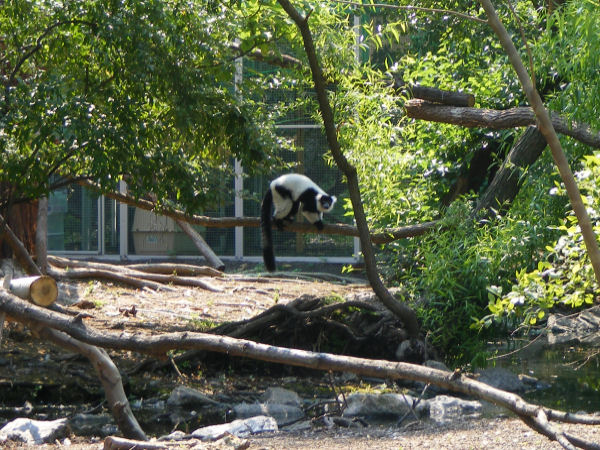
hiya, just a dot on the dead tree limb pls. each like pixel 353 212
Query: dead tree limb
pixel 435 95
pixel 184 270
pixel 400 309
pixel 109 377
pixel 380 237
pixel 124 273
pixel 21 253
pixel 212 259
pixel 160 344
pixel 82 274
pixel 497 119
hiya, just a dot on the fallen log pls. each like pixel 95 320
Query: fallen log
pixel 184 270
pixel 77 274
pixel 41 290
pixel 122 274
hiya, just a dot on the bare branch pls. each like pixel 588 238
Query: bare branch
pixel 413 8
pixel 497 119
pixel 381 237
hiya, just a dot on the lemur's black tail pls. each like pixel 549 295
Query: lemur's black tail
pixel 267 231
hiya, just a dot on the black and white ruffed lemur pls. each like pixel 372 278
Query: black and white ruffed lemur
pixel 285 194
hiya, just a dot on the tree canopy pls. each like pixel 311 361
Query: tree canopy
pixel 142 90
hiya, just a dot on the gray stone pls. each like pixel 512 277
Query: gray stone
pixel 501 378
pixel 283 414
pixel 281 396
pixel 445 409
pixel 583 328
pixel 240 428
pixel 34 432
pixel 183 396
pixel 366 405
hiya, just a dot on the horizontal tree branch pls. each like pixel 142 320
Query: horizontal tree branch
pixel 385 236
pixel 497 119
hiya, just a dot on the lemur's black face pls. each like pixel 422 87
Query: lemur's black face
pixel 326 202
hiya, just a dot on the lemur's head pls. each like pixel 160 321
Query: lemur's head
pixel 325 202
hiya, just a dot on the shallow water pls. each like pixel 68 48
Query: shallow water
pixel 570 376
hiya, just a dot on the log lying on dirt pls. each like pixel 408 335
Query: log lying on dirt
pixel 41 290
pixel 535 416
pixel 123 274
pixel 83 274
pixel 184 270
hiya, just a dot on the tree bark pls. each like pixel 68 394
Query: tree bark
pixel 547 129
pixel 436 95
pixel 41 235
pixel 406 314
pixel 21 253
pixel 497 120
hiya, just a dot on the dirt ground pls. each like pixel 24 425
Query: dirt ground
pixel 245 294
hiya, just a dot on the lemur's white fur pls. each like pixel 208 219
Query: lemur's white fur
pixel 285 194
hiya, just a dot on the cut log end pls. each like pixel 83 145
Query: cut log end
pixel 41 290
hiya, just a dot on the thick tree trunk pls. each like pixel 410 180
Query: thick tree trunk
pixel 20 251
pixel 21 219
pixel 41 235
pixel 506 183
